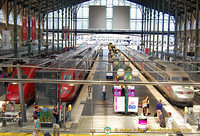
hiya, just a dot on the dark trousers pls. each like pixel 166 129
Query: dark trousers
pixel 103 95
pixel 56 116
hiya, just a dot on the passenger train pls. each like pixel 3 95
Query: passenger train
pixel 167 72
pixel 68 91
pixel 78 70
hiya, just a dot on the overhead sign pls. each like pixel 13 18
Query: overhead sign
pixel 33 28
pixel 133 104
pixel 119 104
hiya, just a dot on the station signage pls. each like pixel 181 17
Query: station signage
pixel 33 27
pixel 24 28
pixel 133 104
pixel 119 104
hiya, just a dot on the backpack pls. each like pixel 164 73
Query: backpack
pixel 162 121
pixel 47 134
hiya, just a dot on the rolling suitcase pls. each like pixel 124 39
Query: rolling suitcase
pixel 162 121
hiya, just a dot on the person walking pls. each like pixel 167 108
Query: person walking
pixel 170 122
pixel 159 110
pixel 55 113
pixel 104 92
pixel 37 125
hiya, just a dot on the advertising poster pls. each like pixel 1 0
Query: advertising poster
pixel 6 39
pixel 119 104
pixel 133 104
pixel 24 28
pixel 33 27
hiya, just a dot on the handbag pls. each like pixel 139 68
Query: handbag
pixel 144 105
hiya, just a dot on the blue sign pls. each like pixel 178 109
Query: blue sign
pixel 132 107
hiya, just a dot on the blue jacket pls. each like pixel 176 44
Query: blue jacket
pixel 159 106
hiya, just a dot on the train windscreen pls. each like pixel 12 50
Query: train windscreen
pixel 175 79
pixel 24 76
pixel 67 77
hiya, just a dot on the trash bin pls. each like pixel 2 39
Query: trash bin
pixel 142 120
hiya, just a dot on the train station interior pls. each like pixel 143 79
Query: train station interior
pixel 99 67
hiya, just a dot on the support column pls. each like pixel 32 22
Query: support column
pixel 163 23
pixel 39 28
pixel 142 35
pixel 47 29
pixel 196 34
pixel 65 24
pixel 185 27
pixel 176 25
pixel 69 11
pixel 147 42
pixel 158 27
pixel 154 21
pixel 29 28
pixel 145 17
pixel 58 29
pixel 71 27
pixel 169 5
pixel 150 26
pixel 53 38
pixel 62 23
pixel 15 29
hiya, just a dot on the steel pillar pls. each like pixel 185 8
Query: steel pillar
pixel 21 94
pixel 58 29
pixel 169 7
pixel 176 25
pixel 154 21
pixel 71 27
pixel 29 28
pixel 53 38
pixel 150 26
pixel 62 23
pixel 196 34
pixel 39 28
pixel 158 27
pixel 147 42
pixel 163 23
pixel 65 24
pixel 47 28
pixel 15 29
pixel 69 11
pixel 185 27
pixel 145 17
pixel 142 35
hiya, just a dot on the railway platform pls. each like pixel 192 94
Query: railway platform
pixel 91 115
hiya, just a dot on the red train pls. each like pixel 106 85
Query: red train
pixel 68 91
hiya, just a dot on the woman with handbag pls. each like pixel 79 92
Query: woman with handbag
pixel 145 106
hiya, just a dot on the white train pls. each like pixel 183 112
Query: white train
pixel 158 70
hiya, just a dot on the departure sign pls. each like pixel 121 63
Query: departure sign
pixel 133 104
pixel 119 104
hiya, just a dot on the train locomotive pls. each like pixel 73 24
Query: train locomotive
pixel 156 70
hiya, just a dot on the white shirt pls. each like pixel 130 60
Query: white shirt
pixel 104 89
pixel 169 122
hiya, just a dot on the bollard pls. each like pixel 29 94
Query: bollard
pixel 69 112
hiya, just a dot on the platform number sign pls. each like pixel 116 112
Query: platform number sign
pixel 107 130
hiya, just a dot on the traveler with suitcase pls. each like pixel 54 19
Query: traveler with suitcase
pixel 162 121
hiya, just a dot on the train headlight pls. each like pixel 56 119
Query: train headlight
pixel 71 84
pixel 14 83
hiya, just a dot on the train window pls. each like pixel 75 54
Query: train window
pixel 67 77
pixel 185 79
pixel 24 76
pixel 175 79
